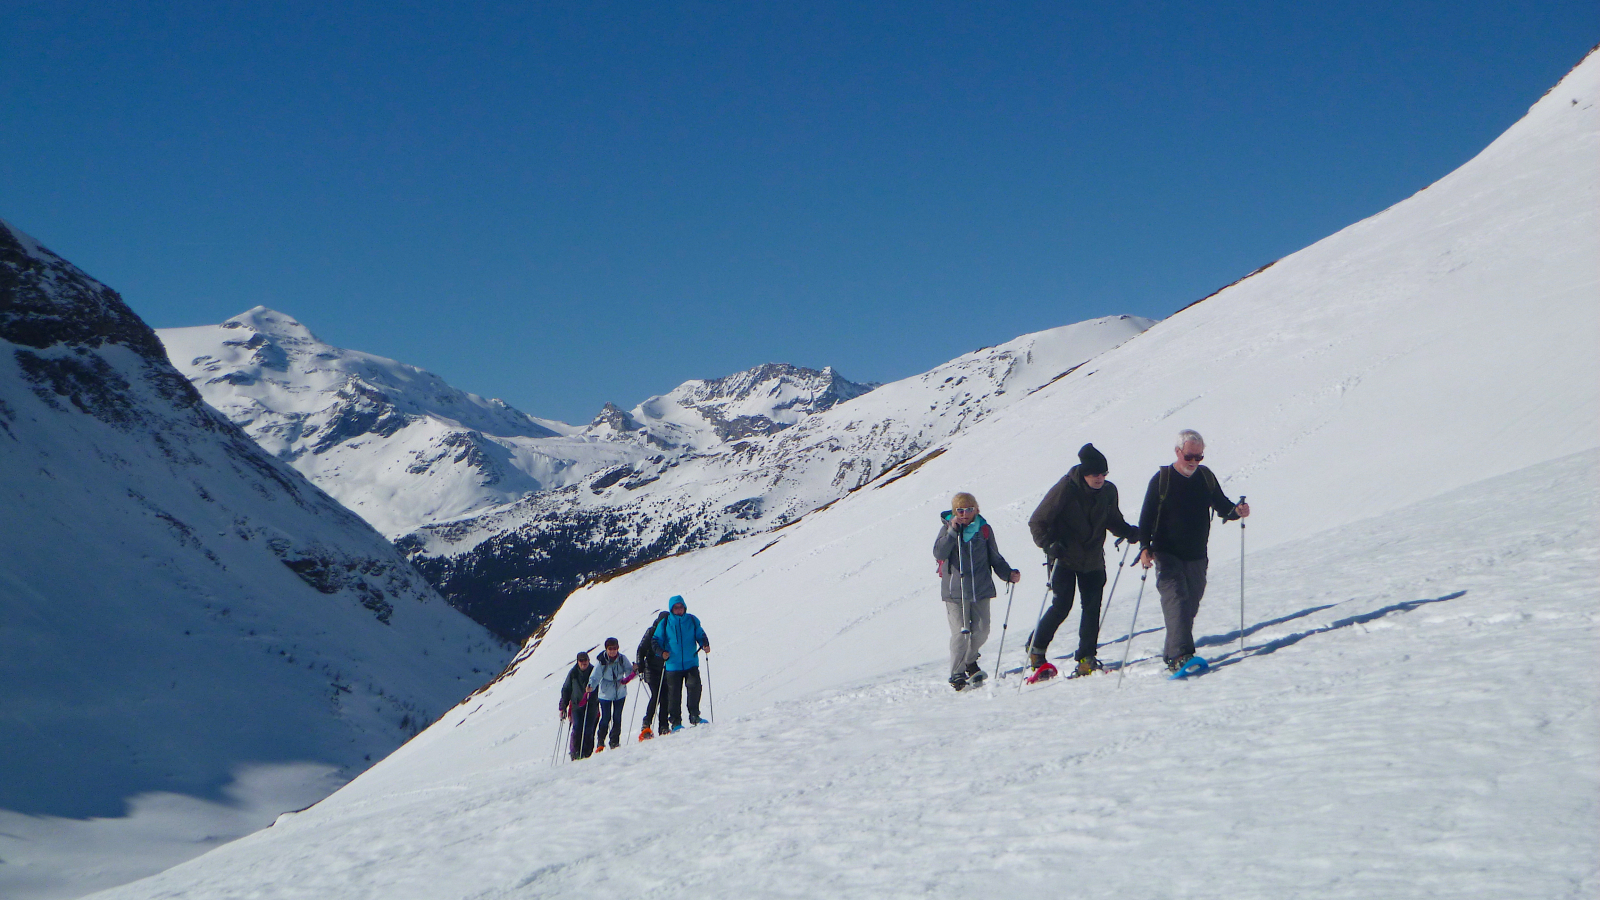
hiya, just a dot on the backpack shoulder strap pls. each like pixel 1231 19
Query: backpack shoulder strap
pixel 1164 480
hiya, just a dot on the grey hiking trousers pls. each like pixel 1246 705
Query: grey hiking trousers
pixel 1181 584
pixel 964 647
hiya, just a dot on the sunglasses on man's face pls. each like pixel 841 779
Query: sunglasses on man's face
pixel 961 510
pixel 1193 457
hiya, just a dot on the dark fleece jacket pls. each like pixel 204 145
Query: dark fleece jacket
pixel 1077 517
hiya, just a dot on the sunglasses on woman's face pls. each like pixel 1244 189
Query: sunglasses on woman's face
pixel 961 510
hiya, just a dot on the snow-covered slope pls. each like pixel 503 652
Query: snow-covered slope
pixel 511 567
pixel 182 618
pixel 1411 405
pixel 392 442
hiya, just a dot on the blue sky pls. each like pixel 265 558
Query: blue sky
pixel 562 205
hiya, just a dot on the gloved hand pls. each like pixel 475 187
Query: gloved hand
pixel 1056 550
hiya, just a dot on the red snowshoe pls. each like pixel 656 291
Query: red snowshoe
pixel 1045 672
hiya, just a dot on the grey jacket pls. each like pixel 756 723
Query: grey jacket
pixel 606 676
pixel 964 565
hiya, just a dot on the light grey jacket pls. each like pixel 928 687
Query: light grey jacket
pixel 607 674
pixel 965 563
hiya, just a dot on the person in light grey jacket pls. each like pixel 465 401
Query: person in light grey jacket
pixel 609 681
pixel 966 554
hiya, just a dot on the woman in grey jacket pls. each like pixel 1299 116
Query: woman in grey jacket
pixel 609 681
pixel 966 553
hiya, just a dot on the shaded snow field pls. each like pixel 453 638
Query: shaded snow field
pixel 1415 715
pixel 49 857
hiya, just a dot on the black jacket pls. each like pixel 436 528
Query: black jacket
pixel 576 686
pixel 645 658
pixel 1181 524
pixel 1077 517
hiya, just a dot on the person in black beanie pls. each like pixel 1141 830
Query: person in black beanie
pixel 1070 525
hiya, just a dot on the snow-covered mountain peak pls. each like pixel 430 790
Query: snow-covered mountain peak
pixel 702 414
pixel 392 441
pixel 272 324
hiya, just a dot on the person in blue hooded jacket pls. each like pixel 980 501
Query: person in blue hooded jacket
pixel 679 640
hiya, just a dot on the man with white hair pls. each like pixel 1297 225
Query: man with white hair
pixel 1174 527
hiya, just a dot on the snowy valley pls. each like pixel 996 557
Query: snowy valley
pixel 1409 709
pixel 195 638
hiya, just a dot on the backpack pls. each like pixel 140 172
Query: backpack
pixel 647 644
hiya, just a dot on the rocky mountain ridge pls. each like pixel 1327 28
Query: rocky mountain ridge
pixel 512 566
pixel 403 448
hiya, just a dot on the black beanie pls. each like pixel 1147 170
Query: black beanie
pixel 1092 461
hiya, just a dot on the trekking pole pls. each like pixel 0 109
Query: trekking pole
pixel 1241 581
pixel 1106 610
pixel 556 753
pixel 567 740
pixel 1000 655
pixel 629 719
pixel 961 575
pixel 1123 669
pixel 1049 577
pixel 711 700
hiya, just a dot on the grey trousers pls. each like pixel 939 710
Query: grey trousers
pixel 1181 584
pixel 964 647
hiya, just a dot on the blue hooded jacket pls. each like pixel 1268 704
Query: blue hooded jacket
pixel 682 637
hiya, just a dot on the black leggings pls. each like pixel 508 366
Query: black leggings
pixel 657 703
pixel 674 686
pixel 1090 585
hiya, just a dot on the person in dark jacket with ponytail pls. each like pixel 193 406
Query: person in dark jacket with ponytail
pixel 647 662
pixel 966 552
pixel 1070 525
pixel 577 704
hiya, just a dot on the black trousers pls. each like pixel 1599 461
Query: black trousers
pixel 656 704
pixel 1089 584
pixel 673 683
pixel 585 716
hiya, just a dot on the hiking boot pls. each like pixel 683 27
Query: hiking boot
pixel 694 720
pixel 1035 660
pixel 645 733
pixel 1088 666
pixel 959 681
pixel 1174 665
pixel 600 748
